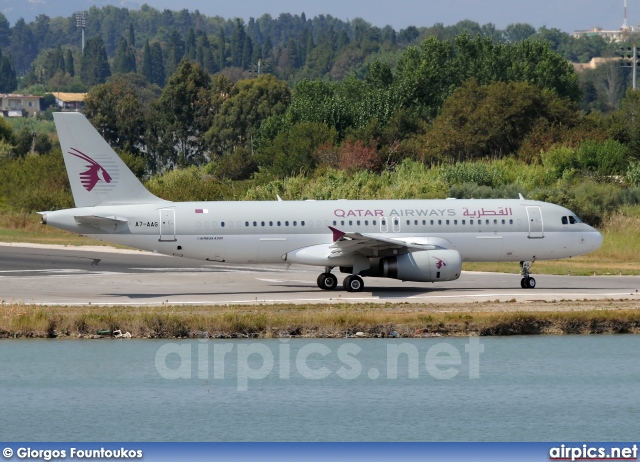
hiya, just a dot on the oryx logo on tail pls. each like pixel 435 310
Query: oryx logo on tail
pixel 95 173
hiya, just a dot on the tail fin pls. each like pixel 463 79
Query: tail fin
pixel 96 173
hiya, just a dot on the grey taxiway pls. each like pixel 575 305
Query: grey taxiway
pixel 59 275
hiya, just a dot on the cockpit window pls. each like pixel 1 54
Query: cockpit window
pixel 565 221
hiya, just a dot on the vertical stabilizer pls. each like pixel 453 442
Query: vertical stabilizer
pixel 96 173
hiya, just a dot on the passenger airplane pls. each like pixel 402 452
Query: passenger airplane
pixel 410 240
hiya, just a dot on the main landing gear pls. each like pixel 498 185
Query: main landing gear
pixel 527 282
pixel 327 281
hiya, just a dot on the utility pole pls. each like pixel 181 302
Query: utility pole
pixel 81 21
pixel 630 59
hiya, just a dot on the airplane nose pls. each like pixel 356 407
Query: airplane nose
pixel 595 239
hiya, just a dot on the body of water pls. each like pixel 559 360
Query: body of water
pixel 543 388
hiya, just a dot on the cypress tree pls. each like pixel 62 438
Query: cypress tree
pixel 69 64
pixel 95 66
pixel 147 67
pixel 222 55
pixel 8 80
pixel 132 36
pixel 247 51
pixel 157 65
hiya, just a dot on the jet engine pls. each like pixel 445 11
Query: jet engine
pixel 423 266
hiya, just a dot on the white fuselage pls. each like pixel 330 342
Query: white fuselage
pixel 265 232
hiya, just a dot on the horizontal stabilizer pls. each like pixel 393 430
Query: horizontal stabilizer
pixel 110 224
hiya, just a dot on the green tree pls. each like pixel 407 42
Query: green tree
pixel 158 73
pixel 117 108
pixel 493 120
pixel 8 80
pixel 518 32
pixel 249 103
pixel 237 43
pixel 125 59
pixel 292 151
pixel 69 64
pixel 181 117
pixel 95 67
pixel 147 67
pixel 132 36
pixel 190 45
pixel 5 31
pixel 23 45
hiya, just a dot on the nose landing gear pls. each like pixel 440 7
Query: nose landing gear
pixel 527 282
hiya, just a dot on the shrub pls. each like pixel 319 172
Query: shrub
pixel 604 157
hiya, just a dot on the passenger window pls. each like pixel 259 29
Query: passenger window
pixel 358 222
pixel 295 223
pixel 366 222
pixel 350 223
pixel 503 222
pixel 286 223
pixel 374 222
pixel 262 223
pixel 222 224
pixel 424 222
pixel 278 223
pixel 447 221
pixel 439 222
pixel 455 222
pixel 487 222
pixel 408 222
pixel 255 223
pixel 431 222
pixel 495 222
pixel 464 222
pixel 246 223
pixel 383 222
pixel 302 223
pixel 271 223
pixel 335 223
pixel 342 222
pixel 510 222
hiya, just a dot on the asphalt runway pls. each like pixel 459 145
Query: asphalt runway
pixel 58 275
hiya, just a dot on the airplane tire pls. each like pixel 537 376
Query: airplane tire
pixel 327 281
pixel 528 283
pixel 353 284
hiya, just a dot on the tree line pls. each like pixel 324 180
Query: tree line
pixel 45 53
pixel 445 101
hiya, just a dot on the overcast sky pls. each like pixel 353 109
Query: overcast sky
pixel 566 15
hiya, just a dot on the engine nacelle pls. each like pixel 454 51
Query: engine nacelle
pixel 423 266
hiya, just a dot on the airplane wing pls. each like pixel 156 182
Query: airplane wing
pixel 369 245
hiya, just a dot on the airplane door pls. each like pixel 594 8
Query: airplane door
pixel 536 230
pixel 167 225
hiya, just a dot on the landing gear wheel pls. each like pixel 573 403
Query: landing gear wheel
pixel 528 283
pixel 327 281
pixel 353 284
